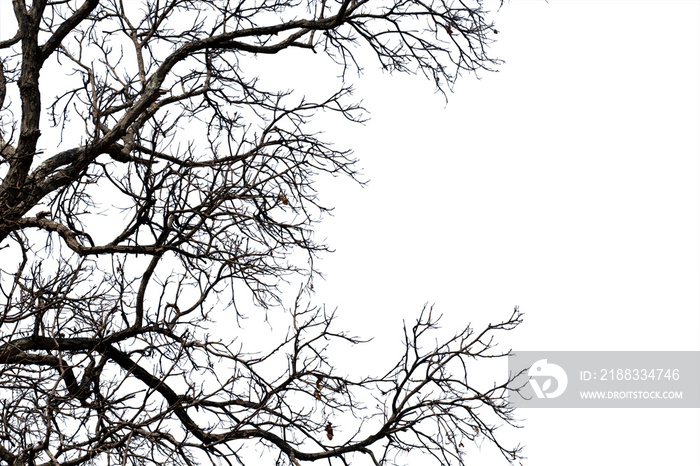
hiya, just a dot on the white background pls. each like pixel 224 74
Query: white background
pixel 568 183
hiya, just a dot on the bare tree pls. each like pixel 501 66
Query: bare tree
pixel 155 190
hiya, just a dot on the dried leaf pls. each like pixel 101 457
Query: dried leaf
pixel 329 431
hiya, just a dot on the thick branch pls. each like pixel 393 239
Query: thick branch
pixel 71 239
pixel 67 27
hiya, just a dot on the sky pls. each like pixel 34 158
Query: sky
pixel 567 183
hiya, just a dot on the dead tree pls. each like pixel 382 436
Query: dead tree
pixel 155 189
